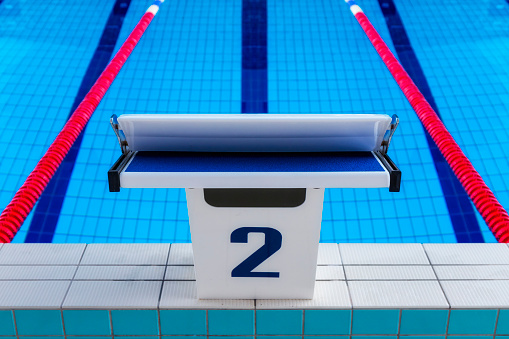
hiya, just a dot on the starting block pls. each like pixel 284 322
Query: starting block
pixel 254 187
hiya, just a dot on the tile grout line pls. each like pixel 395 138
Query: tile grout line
pixel 399 322
pixel 303 323
pixel 496 324
pixel 72 280
pixel 112 332
pixel 347 285
pixel 255 320
pixel 348 289
pixel 15 324
pixel 161 292
pixel 438 280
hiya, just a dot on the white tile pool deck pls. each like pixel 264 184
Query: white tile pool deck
pixel 161 276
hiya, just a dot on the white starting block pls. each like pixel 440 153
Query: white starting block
pixel 254 187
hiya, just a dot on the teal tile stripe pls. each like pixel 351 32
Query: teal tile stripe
pixel 183 322
pixel 472 322
pixel 231 322
pixel 87 322
pixel 375 322
pixel 6 323
pixel 39 322
pixel 327 322
pixel 279 322
pixel 424 321
pixel 135 322
pixel 241 324
pixel 503 322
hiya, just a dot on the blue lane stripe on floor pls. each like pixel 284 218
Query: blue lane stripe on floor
pixel 45 219
pixel 461 211
pixel 254 56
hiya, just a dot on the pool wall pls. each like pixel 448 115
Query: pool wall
pixel 148 291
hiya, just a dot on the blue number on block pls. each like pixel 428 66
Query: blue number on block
pixel 273 240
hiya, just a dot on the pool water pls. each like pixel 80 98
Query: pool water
pixel 202 56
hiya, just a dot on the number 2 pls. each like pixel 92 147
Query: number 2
pixel 273 240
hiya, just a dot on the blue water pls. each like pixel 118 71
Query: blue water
pixel 193 59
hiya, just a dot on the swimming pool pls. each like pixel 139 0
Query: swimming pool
pixel 192 59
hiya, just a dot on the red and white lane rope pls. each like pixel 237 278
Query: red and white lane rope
pixel 492 211
pixel 24 200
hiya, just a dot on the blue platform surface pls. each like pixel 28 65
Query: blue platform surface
pixel 317 61
pixel 254 162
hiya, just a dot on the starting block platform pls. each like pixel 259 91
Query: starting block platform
pixel 253 151
pixel 254 187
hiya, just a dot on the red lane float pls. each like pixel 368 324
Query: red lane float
pixel 24 200
pixel 492 211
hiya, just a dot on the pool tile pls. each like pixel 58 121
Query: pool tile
pixel 328 254
pixel 231 322
pixel 383 254
pixel 32 294
pixel 424 321
pixel 375 321
pixel 397 294
pixel 407 272
pixel 39 322
pixel 120 273
pixel 183 295
pixel 503 322
pixel 30 272
pixel 275 322
pixel 6 323
pixel 472 272
pixel 112 294
pixel 470 254
pixel 328 295
pixel 41 254
pixel 180 273
pixel 181 254
pixel 188 322
pixel 472 322
pixel 135 322
pixel 330 273
pixel 126 254
pixel 78 322
pixel 482 294
pixel 329 322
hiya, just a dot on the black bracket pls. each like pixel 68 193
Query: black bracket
pixel 117 168
pixel 394 172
